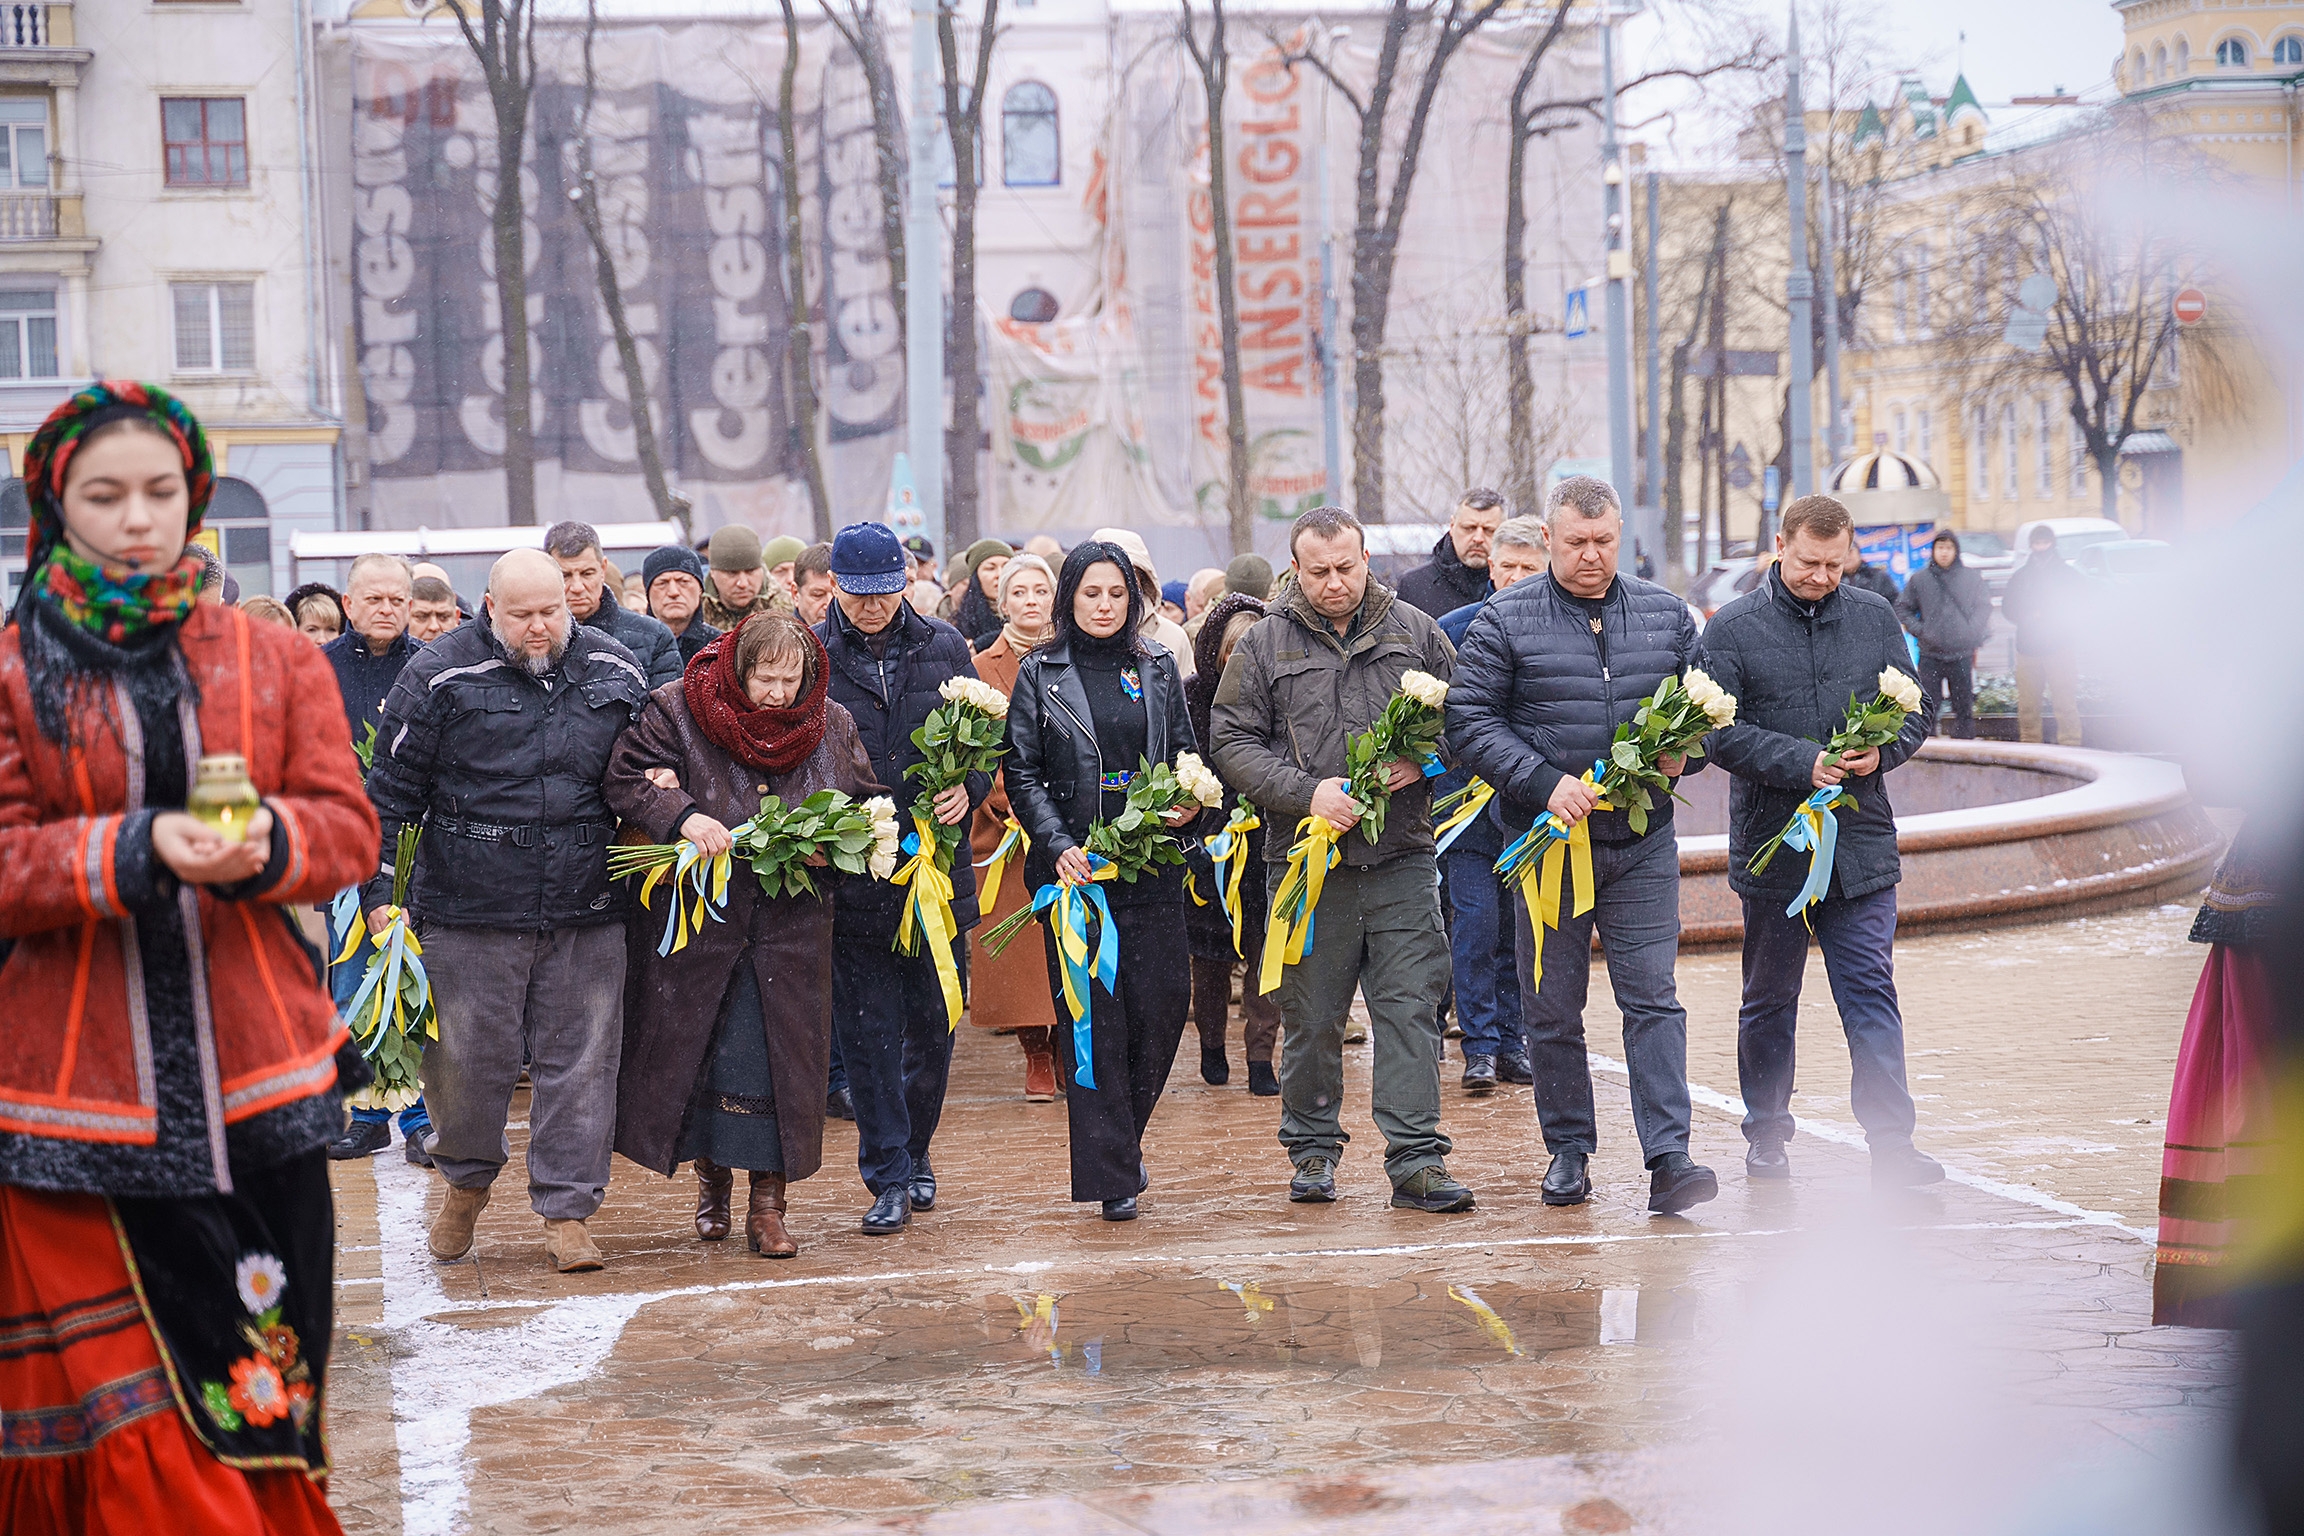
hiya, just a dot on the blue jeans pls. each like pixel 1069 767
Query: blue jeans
pixel 1637 911
pixel 1480 946
pixel 1858 938
pixel 889 1025
pixel 343 984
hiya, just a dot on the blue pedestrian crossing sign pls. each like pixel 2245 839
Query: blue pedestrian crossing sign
pixel 1576 316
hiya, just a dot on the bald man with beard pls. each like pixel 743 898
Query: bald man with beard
pixel 494 742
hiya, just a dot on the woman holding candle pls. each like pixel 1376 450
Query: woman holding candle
pixel 1089 709
pixel 168 1057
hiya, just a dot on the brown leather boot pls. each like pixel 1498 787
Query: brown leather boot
pixel 714 1184
pixel 1039 1065
pixel 764 1219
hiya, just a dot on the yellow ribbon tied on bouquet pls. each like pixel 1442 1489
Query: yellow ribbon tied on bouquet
pixel 1540 859
pixel 699 890
pixel 1013 844
pixel 1288 933
pixel 1228 850
pixel 928 912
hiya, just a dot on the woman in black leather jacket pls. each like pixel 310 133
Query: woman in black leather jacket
pixel 1091 709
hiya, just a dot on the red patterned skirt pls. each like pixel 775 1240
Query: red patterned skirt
pixel 93 1435
pixel 2219 1135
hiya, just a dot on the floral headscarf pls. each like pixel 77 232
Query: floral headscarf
pixel 111 607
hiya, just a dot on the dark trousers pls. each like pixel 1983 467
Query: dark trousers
pixel 1953 677
pixel 1481 949
pixel 1858 938
pixel 1638 914
pixel 1133 1044
pixel 890 1028
pixel 1212 1008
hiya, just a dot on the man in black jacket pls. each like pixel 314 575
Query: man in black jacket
pixel 673 577
pixel 584 569
pixel 2043 599
pixel 1793 652
pixel 1949 612
pixel 1458 572
pixel 1547 672
pixel 889 1022
pixel 495 741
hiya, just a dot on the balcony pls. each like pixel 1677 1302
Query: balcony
pixel 35 25
pixel 27 216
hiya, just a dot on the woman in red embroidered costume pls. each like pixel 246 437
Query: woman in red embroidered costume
pixel 168 1054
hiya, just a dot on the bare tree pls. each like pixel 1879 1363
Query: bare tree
pixel 585 196
pixel 964 123
pixel 1214 65
pixel 1457 372
pixel 860 29
pixel 504 43
pixel 800 345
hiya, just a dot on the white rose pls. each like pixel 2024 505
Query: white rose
pixel 1720 709
pixel 1197 780
pixel 882 864
pixel 976 694
pixel 1904 691
pixel 1701 690
pixel 1424 688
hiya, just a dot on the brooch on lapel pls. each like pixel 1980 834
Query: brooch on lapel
pixel 1132 684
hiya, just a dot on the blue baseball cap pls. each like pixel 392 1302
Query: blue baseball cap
pixel 1173 592
pixel 868 561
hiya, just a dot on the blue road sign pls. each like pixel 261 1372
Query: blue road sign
pixel 1771 487
pixel 1576 315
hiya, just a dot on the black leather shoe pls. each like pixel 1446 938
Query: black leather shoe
pixel 1479 1075
pixel 1215 1071
pixel 1766 1160
pixel 922 1189
pixel 892 1212
pixel 366 1138
pixel 1565 1182
pixel 1512 1067
pixel 416 1151
pixel 1262 1080
pixel 1315 1182
pixel 1678 1182
pixel 1904 1168
pixel 1122 1209
pixel 1143 1178
pixel 839 1105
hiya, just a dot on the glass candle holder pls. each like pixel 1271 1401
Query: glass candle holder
pixel 223 797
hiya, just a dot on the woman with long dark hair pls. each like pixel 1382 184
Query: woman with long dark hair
pixel 168 1055
pixel 1090 710
pixel 728 1042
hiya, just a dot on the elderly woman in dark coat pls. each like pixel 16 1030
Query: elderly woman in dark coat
pixel 727 1041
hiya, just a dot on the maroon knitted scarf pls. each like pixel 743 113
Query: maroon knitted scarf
pixel 778 740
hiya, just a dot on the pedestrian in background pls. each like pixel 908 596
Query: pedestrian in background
pixel 778 556
pixel 432 610
pixel 495 741
pixel 592 601
pixel 1008 991
pixel 1092 708
pixel 2043 600
pixel 737 582
pixel 1458 571
pixel 1548 672
pixel 977 615
pixel 319 611
pixel 1216 956
pixel 1945 607
pixel 812 583
pixel 1299 686
pixel 1793 653
pixel 675 576
pixel 1157 626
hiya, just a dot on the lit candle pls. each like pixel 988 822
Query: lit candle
pixel 223 798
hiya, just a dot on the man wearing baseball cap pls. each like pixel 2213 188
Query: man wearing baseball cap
pixel 673 577
pixel 888 1016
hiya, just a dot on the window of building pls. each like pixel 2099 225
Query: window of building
pixel 206 139
pixel 2079 486
pixel 2008 450
pixel 2232 53
pixel 1029 147
pixel 1927 440
pixel 1033 306
pixel 1920 313
pixel 27 333
pixel 215 327
pixel 15 525
pixel 2289 50
pixel 243 526
pixel 2046 453
pixel 1979 454
pixel 2160 63
pixel 2183 55
pixel 1902 440
pixel 23 143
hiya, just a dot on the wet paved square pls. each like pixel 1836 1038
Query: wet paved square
pixel 1235 1362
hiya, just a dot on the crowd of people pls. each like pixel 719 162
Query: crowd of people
pixel 191 1094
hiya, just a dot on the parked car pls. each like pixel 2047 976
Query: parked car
pixel 2124 562
pixel 1724 581
pixel 1982 549
pixel 2073 534
pixel 1395 549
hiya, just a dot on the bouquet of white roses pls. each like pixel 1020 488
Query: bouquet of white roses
pixel 1869 723
pixel 1409 730
pixel 777 841
pixel 1671 722
pixel 965 734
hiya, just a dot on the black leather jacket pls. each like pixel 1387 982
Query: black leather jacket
pixel 1054 765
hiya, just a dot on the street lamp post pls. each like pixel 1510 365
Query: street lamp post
pixel 1619 269
pixel 924 284
pixel 1800 285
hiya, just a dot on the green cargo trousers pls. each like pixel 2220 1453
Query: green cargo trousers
pixel 1378 931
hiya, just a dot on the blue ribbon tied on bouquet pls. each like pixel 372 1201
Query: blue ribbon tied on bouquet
pixel 1082 962
pixel 1816 831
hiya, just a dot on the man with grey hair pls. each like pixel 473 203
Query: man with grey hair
pixel 495 740
pixel 1548 671
pixel 1458 573
pixel 1299 686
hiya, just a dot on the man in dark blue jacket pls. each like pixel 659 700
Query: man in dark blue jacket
pixel 1481 923
pixel 1547 672
pixel 592 601
pixel 1794 651
pixel 888 1017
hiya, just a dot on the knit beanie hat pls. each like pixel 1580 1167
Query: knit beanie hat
pixel 672 557
pixel 1251 574
pixel 735 548
pixel 781 549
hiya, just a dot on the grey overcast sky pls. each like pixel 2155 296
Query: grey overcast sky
pixel 2014 47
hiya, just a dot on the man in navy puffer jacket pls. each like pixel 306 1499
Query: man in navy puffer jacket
pixel 1546 673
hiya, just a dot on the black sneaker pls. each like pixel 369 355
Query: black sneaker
pixel 1513 1067
pixel 1315 1182
pixel 1215 1071
pixel 1263 1082
pixel 365 1138
pixel 1678 1182
pixel 416 1150
pixel 1430 1189
pixel 1479 1075
pixel 838 1105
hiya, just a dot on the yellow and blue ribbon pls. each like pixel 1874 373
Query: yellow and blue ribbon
pixel 1541 858
pixel 927 914
pixel 1457 811
pixel 1082 962
pixel 395 990
pixel 1228 850
pixel 1815 830
pixel 1014 843
pixel 699 890
pixel 345 912
pixel 1288 932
